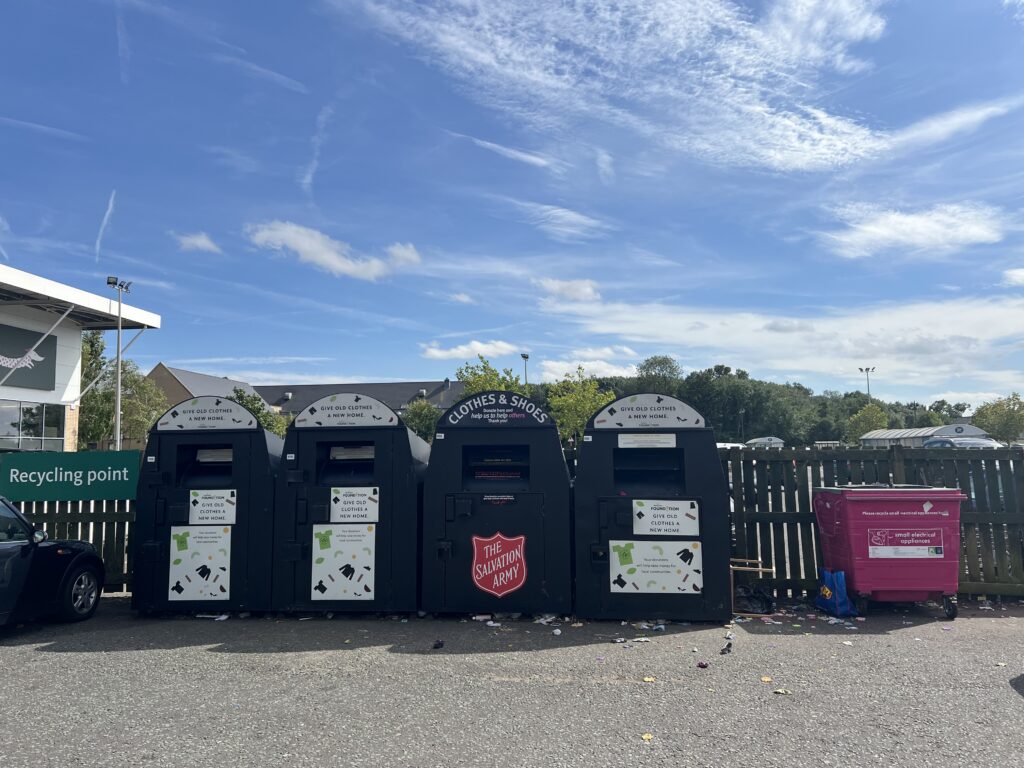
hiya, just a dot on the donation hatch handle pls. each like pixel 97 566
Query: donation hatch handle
pixel 444 549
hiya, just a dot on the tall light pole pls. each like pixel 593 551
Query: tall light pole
pixel 122 288
pixel 526 378
pixel 867 377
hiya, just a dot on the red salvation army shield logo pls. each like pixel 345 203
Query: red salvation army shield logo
pixel 499 563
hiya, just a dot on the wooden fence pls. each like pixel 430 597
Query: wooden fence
pixel 107 524
pixel 772 514
pixel 773 518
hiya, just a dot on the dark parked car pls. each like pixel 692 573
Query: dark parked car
pixel 962 442
pixel 41 578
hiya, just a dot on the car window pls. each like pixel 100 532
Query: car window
pixel 11 526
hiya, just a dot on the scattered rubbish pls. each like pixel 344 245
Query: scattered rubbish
pixel 482 617
pixel 438 644
pixel 648 679
pixel 861 618
pixel 600 659
pixel 741 620
pixel 703 664
pixel 783 692
pixel 659 627
pixel 301 618
pixel 947 629
pixel 847 642
pixel 348 642
pixel 727 649
pixel 576 624
pixel 619 640
pixel 641 639
pixel 556 632
pixel 214 616
pixel 493 623
pixel 730 636
pixel 244 615
pixel 766 679
pixel 1000 663
pixel 693 650
pixel 329 615
pixel 547 619
pixel 647 737
pixel 797 626
pixel 421 614
pixel 642 625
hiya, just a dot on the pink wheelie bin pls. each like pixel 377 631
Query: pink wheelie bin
pixel 895 544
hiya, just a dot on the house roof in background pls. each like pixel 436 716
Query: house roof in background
pixel 204 384
pixel 91 311
pixel 395 394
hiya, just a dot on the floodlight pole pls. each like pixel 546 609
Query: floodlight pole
pixel 526 378
pixel 122 288
pixel 867 377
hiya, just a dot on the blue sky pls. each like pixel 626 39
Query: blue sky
pixel 375 190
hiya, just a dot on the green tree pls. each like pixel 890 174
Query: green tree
pixel 1003 419
pixel 142 402
pixel 660 374
pixel 948 411
pixel 870 417
pixel 421 417
pixel 482 377
pixel 573 400
pixel 269 419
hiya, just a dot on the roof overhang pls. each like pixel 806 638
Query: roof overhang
pixel 90 311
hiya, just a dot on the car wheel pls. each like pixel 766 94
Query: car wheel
pixel 81 594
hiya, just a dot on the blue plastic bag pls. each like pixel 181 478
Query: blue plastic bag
pixel 832 597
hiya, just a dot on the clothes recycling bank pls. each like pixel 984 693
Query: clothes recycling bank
pixel 87 476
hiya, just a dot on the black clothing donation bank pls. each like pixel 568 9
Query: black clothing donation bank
pixel 347 520
pixel 204 511
pixel 496 510
pixel 652 514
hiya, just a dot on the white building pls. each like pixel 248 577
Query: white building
pixel 914 438
pixel 41 324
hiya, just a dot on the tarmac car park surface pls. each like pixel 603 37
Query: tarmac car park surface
pixel 902 688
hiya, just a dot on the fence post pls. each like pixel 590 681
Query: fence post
pixel 896 462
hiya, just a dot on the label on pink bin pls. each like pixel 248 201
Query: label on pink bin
pixel 905 543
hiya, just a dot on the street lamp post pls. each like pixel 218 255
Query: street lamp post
pixel 867 377
pixel 526 378
pixel 122 288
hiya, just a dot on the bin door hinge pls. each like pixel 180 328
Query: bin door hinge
pixel 598 553
pixel 463 507
pixel 444 549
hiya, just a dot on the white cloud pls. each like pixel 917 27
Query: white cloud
pixel 316 248
pixel 924 343
pixel 938 230
pixel 233 159
pixel 124 51
pixel 605 166
pixel 261 73
pixel 47 130
pixel 561 224
pixel 1017 8
pixel 973 399
pixel 469 350
pixel 403 254
pixel 574 290
pixel 323 118
pixel 462 298
pixel 938 128
pixel 706 78
pixel 555 370
pixel 196 241
pixel 1013 276
pixel 103 224
pixel 604 353
pixel 536 159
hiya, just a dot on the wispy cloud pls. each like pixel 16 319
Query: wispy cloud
pixel 536 159
pixel 48 130
pixel 124 51
pixel 323 119
pixel 192 25
pixel 261 73
pixel 196 241
pixel 469 350
pixel 605 353
pixel 1017 8
pixel 312 246
pixel 555 370
pixel 103 224
pixel 562 224
pixel 706 78
pixel 605 166
pixel 941 127
pixel 462 298
pixel 5 229
pixel 939 230
pixel 233 159
pixel 1013 276
pixel 262 360
pixel 573 290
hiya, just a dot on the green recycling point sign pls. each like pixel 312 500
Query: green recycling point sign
pixel 86 476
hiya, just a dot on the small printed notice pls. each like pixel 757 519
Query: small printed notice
pixel 212 507
pixel 200 567
pixel 647 441
pixel 666 517
pixel 892 543
pixel 659 567
pixel 343 562
pixel 355 505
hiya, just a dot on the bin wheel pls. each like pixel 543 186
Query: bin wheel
pixel 861 605
pixel 949 607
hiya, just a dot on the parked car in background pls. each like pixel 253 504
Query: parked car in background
pixel 962 442
pixel 41 578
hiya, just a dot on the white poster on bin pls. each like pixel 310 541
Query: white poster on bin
pixel 343 562
pixel 355 504
pixel 655 567
pixel 212 507
pixel 666 517
pixel 200 567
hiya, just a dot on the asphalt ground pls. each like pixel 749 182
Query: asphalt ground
pixel 909 689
